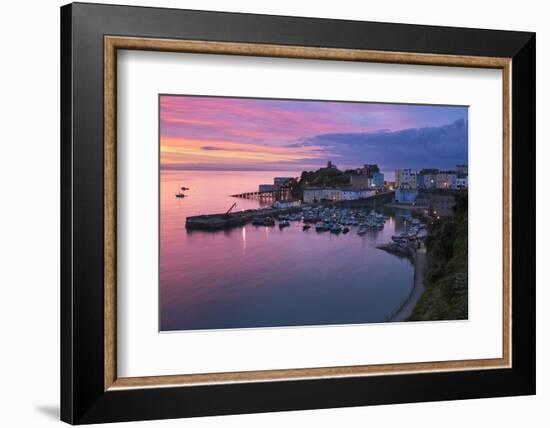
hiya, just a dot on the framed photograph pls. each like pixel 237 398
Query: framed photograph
pixel 265 213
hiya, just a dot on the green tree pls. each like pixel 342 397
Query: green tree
pixel 446 279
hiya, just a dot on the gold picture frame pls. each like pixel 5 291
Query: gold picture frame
pixel 114 43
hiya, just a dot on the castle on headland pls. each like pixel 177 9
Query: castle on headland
pixel 358 184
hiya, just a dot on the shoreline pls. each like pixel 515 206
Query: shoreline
pixel 405 310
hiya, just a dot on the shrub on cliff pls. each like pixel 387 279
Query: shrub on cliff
pixel 323 177
pixel 446 279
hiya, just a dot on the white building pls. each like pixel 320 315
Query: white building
pixel 318 194
pixel 352 194
pixel 462 182
pixel 430 181
pixel 286 204
pixel 405 179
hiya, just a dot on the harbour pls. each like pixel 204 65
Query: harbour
pixel 222 277
pixel 238 218
pixel 269 216
pixel 359 214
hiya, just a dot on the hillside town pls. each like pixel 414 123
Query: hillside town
pixel 428 188
pixel 431 206
pixel 429 192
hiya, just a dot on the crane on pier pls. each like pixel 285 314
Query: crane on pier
pixel 230 208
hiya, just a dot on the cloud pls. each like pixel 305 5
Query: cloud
pixel 299 134
pixel 440 147
pixel 235 149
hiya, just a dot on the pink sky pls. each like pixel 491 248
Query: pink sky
pixel 263 133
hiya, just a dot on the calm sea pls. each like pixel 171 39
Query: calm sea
pixel 254 276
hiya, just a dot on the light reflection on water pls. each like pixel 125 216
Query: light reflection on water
pixel 254 276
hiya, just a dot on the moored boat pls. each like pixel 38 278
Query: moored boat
pixel 269 221
pixel 321 227
pixel 336 228
pixel 284 223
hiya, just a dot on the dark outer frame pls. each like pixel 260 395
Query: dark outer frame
pixel 83 397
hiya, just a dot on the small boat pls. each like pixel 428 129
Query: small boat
pixel 180 195
pixel 268 221
pixel 401 238
pixel 362 230
pixel 306 227
pixel 320 227
pixel 184 188
pixel 345 230
pixel 284 223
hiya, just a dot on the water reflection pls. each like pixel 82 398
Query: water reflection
pixel 272 277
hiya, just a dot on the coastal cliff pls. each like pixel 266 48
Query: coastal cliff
pixel 446 280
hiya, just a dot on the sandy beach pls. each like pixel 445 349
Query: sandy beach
pixel 418 287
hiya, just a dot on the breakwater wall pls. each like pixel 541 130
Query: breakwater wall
pixel 225 221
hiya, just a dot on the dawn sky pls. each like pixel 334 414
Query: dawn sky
pixel 267 134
